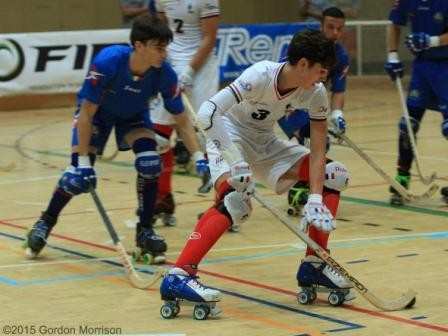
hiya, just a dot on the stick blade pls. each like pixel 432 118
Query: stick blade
pixel 141 283
pixel 405 301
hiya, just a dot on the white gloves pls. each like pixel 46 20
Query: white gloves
pixel 338 123
pixel 186 78
pixel 317 214
pixel 240 176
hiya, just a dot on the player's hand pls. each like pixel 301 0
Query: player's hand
pixel 393 66
pixel 338 123
pixel 317 214
pixel 417 42
pixel 78 180
pixel 186 78
pixel 86 173
pixel 240 176
pixel 201 163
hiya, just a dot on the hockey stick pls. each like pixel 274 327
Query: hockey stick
pixel 406 194
pixel 133 277
pixel 207 184
pixel 109 158
pixel 425 180
pixel 8 167
pixel 406 300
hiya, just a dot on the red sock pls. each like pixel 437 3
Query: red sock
pixel 329 197
pixel 210 227
pixel 166 174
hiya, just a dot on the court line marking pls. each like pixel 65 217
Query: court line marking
pixel 382 315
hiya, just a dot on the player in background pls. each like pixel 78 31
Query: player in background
pixel 428 88
pixel 298 123
pixel 194 25
pixel 115 93
pixel 241 144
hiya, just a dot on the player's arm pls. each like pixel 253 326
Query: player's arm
pixel 209 28
pixel 318 137
pixel 393 37
pixel 337 101
pixel 84 125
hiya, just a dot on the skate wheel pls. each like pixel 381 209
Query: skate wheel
pixel 201 312
pixel 29 253
pixel 148 259
pixel 291 211
pixel 168 310
pixel 306 297
pixel 336 299
pixel 158 259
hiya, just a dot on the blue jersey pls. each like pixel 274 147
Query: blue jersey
pixel 430 17
pixel 122 96
pixel 338 75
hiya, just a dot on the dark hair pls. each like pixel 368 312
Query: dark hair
pixel 149 27
pixel 314 46
pixel 333 12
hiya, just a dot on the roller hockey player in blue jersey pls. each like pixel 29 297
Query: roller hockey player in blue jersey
pixel 115 93
pixel 297 124
pixel 428 89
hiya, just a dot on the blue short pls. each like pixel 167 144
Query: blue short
pixel 103 124
pixel 429 85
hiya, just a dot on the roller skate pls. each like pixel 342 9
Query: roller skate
pixel 404 178
pixel 182 155
pixel 179 288
pixel 151 247
pixel 164 210
pixel 315 276
pixel 36 239
pixel 444 193
pixel 297 198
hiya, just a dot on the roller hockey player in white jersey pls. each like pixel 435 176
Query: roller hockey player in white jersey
pixel 194 24
pixel 332 25
pixel 242 145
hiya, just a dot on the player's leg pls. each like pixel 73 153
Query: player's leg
pixel 64 191
pixel 417 100
pixel 151 247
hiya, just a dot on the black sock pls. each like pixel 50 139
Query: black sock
pixel 147 195
pixel 58 201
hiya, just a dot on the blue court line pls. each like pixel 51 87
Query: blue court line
pixel 346 324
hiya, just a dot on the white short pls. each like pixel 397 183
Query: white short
pixel 206 84
pixel 269 158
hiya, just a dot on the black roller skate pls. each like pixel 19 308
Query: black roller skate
pixel 297 198
pixel 444 193
pixel 36 239
pixel 164 210
pixel 151 247
pixel 315 276
pixel 182 155
pixel 180 288
pixel 404 178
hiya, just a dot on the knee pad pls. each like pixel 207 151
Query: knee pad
pixel 238 206
pixel 147 160
pixel 414 123
pixel 445 128
pixel 336 176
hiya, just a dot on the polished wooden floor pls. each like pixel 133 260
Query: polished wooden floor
pixel 78 280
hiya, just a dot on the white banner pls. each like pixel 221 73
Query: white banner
pixel 51 62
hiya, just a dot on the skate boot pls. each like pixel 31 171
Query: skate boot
pixel 404 178
pixel 164 211
pixel 297 198
pixel 444 193
pixel 178 287
pixel 182 155
pixel 36 238
pixel 315 276
pixel 151 247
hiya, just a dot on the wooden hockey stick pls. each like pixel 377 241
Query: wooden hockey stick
pixel 108 158
pixel 406 194
pixel 406 300
pixel 424 179
pixel 133 277
pixel 8 167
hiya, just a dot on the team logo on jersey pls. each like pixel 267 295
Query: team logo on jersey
pixel 414 94
pixel 246 86
pixel 131 89
pixel 94 76
pixel 195 236
pixel 323 109
pixel 438 17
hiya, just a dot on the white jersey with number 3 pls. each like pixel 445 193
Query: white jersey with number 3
pixel 184 18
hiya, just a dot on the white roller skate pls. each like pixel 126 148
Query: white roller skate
pixel 315 276
pixel 36 239
pixel 151 247
pixel 178 287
